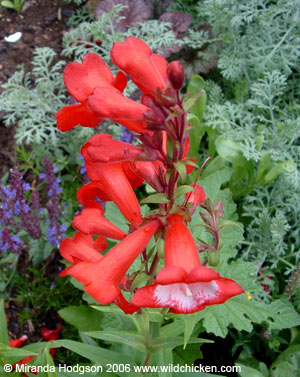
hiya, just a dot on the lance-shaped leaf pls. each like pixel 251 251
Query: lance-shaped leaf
pixel 172 342
pixel 131 339
pixel 156 198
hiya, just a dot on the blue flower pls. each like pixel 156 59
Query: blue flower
pixel 17 208
pixel 26 187
pixel 26 207
pixel 8 214
pixel 63 228
pixel 16 239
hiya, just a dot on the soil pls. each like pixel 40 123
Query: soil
pixel 42 24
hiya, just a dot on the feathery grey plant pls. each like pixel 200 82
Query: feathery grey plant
pixel 256 36
pixel 99 35
pixel 273 232
pixel 33 105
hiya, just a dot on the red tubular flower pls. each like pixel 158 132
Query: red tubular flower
pixel 86 195
pixel 81 80
pixel 83 248
pixel 147 70
pixel 73 115
pixel 51 335
pixel 127 307
pixel 91 221
pixel 184 284
pixel 110 103
pixel 102 275
pixel 17 343
pixel 116 182
pixel 104 149
pixel 149 172
pixel 195 198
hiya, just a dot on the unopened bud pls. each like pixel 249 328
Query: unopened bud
pixel 175 74
pixel 213 258
pixel 160 248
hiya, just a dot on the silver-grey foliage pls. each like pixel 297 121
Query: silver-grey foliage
pixel 31 100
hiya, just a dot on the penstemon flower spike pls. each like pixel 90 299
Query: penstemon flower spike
pixel 115 168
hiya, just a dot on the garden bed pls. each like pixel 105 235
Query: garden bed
pixel 193 231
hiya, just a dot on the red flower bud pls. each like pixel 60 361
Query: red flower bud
pixel 175 74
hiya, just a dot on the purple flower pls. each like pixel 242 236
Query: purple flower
pixel 127 136
pixel 15 212
pixel 54 233
pixel 10 243
pixel 26 186
pixel 36 204
pixel 17 208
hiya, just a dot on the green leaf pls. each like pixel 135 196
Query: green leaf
pixel 44 359
pixel 187 355
pixel 195 118
pixel 175 328
pixel 181 168
pixel 248 371
pixel 155 315
pixel 107 308
pixel 136 341
pixel 7 4
pixel 156 198
pixel 7 352
pixel 273 173
pixel 190 321
pixel 165 357
pixel 287 363
pixel 196 85
pixel 230 151
pixel 265 164
pixel 84 318
pixel 140 280
pixel 240 313
pixel 284 315
pixel 190 100
pixel 172 342
pixel 113 214
pixel 98 355
pixel 3 325
pixel 181 190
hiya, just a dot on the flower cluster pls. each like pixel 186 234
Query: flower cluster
pixel 55 232
pixel 171 276
pixel 16 214
pixel 22 212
